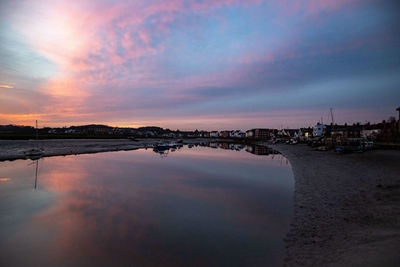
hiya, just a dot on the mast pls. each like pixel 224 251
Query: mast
pixel 37 135
pixel 333 128
pixel 36 131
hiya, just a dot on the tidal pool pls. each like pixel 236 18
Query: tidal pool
pixel 196 206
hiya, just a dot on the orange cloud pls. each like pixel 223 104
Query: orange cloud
pixel 6 86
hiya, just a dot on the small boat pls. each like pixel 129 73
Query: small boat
pixel 321 148
pixel 367 145
pixel 349 145
pixel 36 152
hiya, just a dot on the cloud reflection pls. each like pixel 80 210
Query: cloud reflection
pixel 133 207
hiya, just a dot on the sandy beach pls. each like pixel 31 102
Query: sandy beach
pixel 346 208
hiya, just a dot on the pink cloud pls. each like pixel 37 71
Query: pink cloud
pixel 113 46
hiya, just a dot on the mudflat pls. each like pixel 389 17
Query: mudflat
pixel 346 208
pixel 15 149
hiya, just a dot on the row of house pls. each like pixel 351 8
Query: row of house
pixel 383 132
pixel 386 131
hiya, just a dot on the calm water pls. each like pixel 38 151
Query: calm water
pixel 196 207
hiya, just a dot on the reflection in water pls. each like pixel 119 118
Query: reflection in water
pixel 36 172
pixel 199 206
pixel 164 148
pixel 36 163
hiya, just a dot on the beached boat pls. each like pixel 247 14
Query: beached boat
pixel 35 152
pixel 349 145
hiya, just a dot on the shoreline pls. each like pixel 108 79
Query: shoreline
pixel 14 149
pixel 346 208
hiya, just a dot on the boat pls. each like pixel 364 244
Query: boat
pixel 367 145
pixel 349 145
pixel 321 148
pixel 35 152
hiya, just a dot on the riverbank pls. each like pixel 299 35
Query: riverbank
pixel 346 208
pixel 14 149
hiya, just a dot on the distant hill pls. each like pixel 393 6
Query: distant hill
pixel 16 129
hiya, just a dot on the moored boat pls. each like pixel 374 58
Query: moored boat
pixel 35 152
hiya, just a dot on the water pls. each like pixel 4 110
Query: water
pixel 196 207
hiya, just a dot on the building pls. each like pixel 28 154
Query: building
pixel 261 133
pixel 225 134
pixel 205 134
pixel 92 129
pixel 169 135
pixel 372 132
pixel 319 130
pixel 258 133
pixel 237 134
pixel 67 131
pixel 293 133
pixel 305 133
pixel 214 134
pixel 340 132
pixel 250 133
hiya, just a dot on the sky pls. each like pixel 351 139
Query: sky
pixel 198 64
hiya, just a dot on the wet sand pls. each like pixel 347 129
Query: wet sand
pixel 346 208
pixel 14 149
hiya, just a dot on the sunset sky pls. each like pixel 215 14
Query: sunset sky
pixel 198 64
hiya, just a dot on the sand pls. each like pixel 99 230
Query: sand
pixel 346 208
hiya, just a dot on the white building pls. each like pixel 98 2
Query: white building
pixel 319 130
pixel 214 134
pixel 237 134
pixel 371 133
pixel 250 133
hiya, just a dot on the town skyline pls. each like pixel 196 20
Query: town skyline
pixel 327 120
